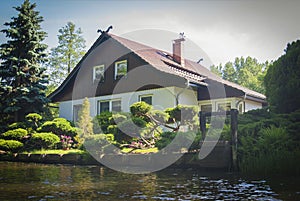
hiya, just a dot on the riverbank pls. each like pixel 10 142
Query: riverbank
pixel 219 158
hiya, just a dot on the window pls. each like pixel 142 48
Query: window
pixel 224 107
pixel 120 69
pixel 103 106
pixel 116 105
pixel 109 105
pixel 98 73
pixel 206 108
pixel 240 108
pixel 146 99
pixel 76 109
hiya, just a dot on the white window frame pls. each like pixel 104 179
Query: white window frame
pixel 102 71
pixel 117 64
pixel 221 103
pixel 146 96
pixel 110 101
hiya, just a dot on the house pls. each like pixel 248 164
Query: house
pixel 117 72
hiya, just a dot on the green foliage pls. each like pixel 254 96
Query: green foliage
pixel 97 143
pixel 22 79
pixel 130 128
pixel 176 141
pixel 282 80
pixel 16 134
pixel 269 143
pixel 185 114
pixel 245 72
pixel 16 125
pixel 64 57
pixel 140 109
pixel 102 121
pixel 33 120
pixel 58 126
pixel 84 119
pixel 43 141
pixel 10 145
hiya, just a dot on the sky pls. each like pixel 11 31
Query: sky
pixel 217 31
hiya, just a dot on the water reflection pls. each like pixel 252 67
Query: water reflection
pixel 20 181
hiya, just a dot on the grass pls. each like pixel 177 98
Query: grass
pixel 56 151
pixel 140 151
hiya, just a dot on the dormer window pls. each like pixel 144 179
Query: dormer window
pixel 98 73
pixel 120 69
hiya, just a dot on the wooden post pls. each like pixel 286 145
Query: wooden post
pixel 234 139
pixel 202 119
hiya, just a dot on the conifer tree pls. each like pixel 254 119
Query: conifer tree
pixel 64 57
pixel 22 79
pixel 84 119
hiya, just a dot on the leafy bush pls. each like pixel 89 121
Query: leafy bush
pixel 10 145
pixel 102 121
pixel 58 126
pixel 16 125
pixel 179 140
pixel 16 134
pixel 140 108
pixel 43 141
pixel 185 114
pixel 33 120
pixel 96 143
pixel 117 118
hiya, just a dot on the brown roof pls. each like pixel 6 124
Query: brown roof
pixel 163 61
pixel 192 71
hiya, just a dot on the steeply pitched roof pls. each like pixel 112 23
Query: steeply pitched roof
pixel 192 71
pixel 162 61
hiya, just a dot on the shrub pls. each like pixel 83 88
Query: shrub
pixel 179 140
pixel 117 118
pixel 16 125
pixel 43 141
pixel 96 143
pixel 185 114
pixel 33 120
pixel 10 145
pixel 140 109
pixel 16 134
pixel 58 126
pixel 101 122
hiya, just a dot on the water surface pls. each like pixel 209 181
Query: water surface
pixel 30 181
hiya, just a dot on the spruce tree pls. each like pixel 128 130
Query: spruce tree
pixel 22 79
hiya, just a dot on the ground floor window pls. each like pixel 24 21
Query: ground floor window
pixel 76 109
pixel 109 105
pixel 223 107
pixel 206 108
pixel 146 99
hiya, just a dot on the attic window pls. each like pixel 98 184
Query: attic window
pixel 98 73
pixel 120 69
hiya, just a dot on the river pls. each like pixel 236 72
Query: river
pixel 31 181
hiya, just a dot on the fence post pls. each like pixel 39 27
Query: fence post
pixel 234 139
pixel 202 119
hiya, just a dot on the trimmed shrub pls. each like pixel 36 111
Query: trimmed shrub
pixel 17 125
pixel 58 126
pixel 96 143
pixel 33 119
pixel 16 134
pixel 140 109
pixel 179 140
pixel 43 141
pixel 101 122
pixel 10 145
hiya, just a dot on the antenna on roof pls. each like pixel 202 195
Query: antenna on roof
pixel 199 60
pixel 107 30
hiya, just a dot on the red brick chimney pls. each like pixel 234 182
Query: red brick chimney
pixel 178 50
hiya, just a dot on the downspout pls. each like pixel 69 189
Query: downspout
pixel 243 100
pixel 177 96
